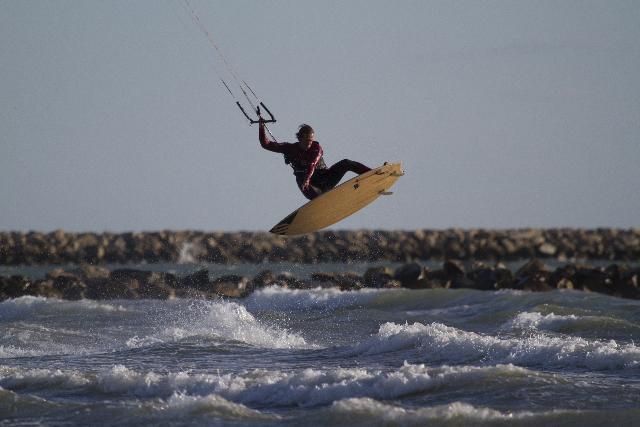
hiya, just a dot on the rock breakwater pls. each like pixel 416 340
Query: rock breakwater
pixel 60 247
pixel 99 283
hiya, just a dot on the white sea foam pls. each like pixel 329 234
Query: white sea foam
pixel 233 321
pixel 307 387
pixel 535 320
pixel 378 413
pixel 122 380
pixel 284 299
pixel 226 320
pixel 440 342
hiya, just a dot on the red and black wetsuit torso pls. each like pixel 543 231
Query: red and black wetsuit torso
pixel 304 162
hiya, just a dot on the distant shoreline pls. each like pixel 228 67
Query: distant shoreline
pixel 563 244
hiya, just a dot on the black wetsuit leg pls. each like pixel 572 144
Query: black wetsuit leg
pixel 329 178
pixel 324 180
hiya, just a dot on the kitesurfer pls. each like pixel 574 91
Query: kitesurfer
pixel 305 157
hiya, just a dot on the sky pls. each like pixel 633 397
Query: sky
pixel 504 114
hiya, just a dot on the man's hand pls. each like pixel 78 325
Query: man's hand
pixel 305 186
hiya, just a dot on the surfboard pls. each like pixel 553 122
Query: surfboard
pixel 341 201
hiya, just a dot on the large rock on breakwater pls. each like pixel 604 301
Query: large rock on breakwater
pixel 98 283
pixel 60 247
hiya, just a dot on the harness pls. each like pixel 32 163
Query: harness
pixel 297 171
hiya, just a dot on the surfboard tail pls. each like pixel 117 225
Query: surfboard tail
pixel 283 226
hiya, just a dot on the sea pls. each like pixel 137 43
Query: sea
pixel 284 357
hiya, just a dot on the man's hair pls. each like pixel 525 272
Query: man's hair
pixel 304 129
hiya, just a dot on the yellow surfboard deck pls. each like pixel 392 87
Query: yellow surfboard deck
pixel 341 201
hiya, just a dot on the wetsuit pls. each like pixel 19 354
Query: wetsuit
pixel 309 165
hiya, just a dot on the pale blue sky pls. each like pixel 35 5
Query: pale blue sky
pixel 504 113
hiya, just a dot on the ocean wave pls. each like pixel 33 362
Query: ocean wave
pixel 7 351
pixel 156 325
pixel 33 330
pixel 307 387
pixel 313 387
pixel 23 307
pixel 28 306
pixel 436 341
pixel 454 312
pixel 284 299
pixel 177 406
pixel 370 412
pixel 535 320
pixel 16 378
pixel 366 411
pixel 223 320
pixel 180 405
pixel 571 323
pixel 14 405
pixel 39 349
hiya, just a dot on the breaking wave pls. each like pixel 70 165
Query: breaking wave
pixel 224 320
pixel 306 387
pixel 437 342
pixel 366 411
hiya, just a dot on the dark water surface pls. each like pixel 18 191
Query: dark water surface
pixel 323 357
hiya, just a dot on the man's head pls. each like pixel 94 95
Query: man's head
pixel 305 136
